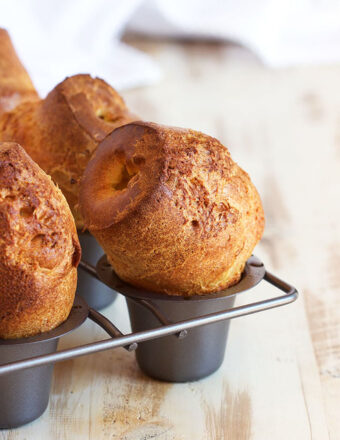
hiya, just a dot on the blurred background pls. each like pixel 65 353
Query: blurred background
pixel 263 77
pixel 59 38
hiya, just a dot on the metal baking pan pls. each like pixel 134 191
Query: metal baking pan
pixel 176 339
pixel 96 294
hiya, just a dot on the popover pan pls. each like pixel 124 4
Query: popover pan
pixel 96 294
pixel 201 351
pixel 24 394
pixel 180 339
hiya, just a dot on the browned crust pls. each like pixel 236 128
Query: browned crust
pixel 136 144
pixel 62 131
pixel 39 248
pixel 186 221
pixel 15 84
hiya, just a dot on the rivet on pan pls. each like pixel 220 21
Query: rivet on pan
pixel 133 346
pixel 182 334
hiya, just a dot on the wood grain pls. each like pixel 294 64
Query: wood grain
pixel 281 375
pixel 232 419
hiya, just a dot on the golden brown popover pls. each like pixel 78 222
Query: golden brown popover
pixel 15 84
pixel 62 131
pixel 171 209
pixel 39 248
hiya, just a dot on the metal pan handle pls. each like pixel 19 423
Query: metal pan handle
pixel 282 285
pixel 109 327
pixel 247 309
pixel 91 270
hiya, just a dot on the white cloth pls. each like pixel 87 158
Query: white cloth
pixel 281 32
pixel 57 38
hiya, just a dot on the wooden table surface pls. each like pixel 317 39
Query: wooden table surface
pixel 281 374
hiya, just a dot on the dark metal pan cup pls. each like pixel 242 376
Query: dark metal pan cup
pixel 24 394
pixel 182 359
pixel 190 356
pixel 96 294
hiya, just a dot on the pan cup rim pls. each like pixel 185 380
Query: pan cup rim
pixel 253 273
pixel 78 314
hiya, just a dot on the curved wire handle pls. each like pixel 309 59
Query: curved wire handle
pixel 162 319
pixel 109 327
